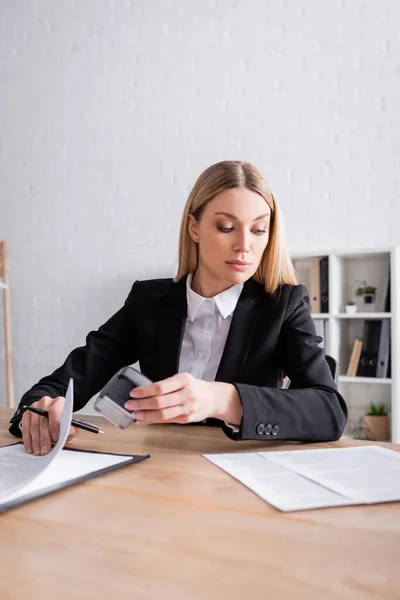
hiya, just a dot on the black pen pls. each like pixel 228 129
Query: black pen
pixel 74 422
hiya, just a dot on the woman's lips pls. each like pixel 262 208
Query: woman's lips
pixel 237 265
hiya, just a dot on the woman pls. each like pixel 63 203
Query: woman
pixel 217 339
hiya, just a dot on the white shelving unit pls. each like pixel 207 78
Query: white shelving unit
pixel 345 268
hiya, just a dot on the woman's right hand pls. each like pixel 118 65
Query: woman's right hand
pixel 41 433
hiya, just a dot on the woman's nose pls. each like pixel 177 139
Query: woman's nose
pixel 242 243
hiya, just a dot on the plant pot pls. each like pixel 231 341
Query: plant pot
pixel 376 427
pixel 369 302
pixel 351 309
pixel 369 298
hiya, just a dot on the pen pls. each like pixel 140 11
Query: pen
pixel 74 422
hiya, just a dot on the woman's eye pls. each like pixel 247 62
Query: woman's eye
pixel 229 229
pixel 225 229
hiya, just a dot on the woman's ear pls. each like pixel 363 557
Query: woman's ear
pixel 193 229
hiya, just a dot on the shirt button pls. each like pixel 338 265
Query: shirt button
pixel 268 429
pixel 275 429
pixel 260 428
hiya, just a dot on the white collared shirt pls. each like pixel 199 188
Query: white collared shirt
pixel 206 329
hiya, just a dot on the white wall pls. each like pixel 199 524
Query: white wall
pixel 109 110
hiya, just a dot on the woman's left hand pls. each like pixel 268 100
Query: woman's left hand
pixel 182 399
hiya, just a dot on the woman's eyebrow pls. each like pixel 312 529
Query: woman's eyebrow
pixel 231 216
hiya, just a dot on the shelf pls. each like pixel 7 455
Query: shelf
pixel 348 379
pixel 343 253
pixel 363 315
pixel 349 268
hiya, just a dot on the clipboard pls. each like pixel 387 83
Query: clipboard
pixel 47 483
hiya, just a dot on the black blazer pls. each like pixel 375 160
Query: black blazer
pixel 271 335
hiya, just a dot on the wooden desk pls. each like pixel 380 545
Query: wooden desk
pixel 177 527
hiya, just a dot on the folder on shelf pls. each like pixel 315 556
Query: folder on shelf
pixel 355 358
pixel 351 361
pixel 369 354
pixel 387 305
pixel 383 294
pixel 315 286
pixel 383 349
pixel 324 284
pixel 320 328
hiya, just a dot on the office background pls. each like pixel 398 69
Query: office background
pixel 109 110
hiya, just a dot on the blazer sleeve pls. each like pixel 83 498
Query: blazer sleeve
pixel 111 347
pixel 312 409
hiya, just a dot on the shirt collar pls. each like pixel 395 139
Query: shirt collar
pixel 225 301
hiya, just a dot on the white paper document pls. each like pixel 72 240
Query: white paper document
pixel 19 468
pixel 304 479
pixel 25 476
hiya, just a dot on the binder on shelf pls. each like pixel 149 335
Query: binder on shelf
pixel 324 284
pixel 315 286
pixel 382 303
pixel 358 356
pixel 349 372
pixel 383 349
pixel 355 358
pixel 321 329
pixel 387 307
pixel 326 335
pixel 369 355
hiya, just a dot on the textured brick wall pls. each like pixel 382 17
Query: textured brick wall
pixel 109 110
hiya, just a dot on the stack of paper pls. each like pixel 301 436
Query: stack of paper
pixel 303 479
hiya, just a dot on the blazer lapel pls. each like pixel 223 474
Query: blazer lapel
pixel 171 325
pixel 241 333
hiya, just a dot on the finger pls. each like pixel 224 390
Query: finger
pixel 155 402
pixel 165 386
pixel 27 426
pixel 55 412
pixel 160 416
pixel 45 439
pixel 35 433
pixel 73 431
pixel 26 431
pixel 44 402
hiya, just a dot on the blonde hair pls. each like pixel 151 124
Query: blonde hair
pixel 276 267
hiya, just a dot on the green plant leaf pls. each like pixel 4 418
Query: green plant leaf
pixel 377 410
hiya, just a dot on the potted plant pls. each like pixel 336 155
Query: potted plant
pixel 376 422
pixel 351 307
pixel 359 286
pixel 367 293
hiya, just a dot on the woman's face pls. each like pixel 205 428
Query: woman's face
pixel 232 235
